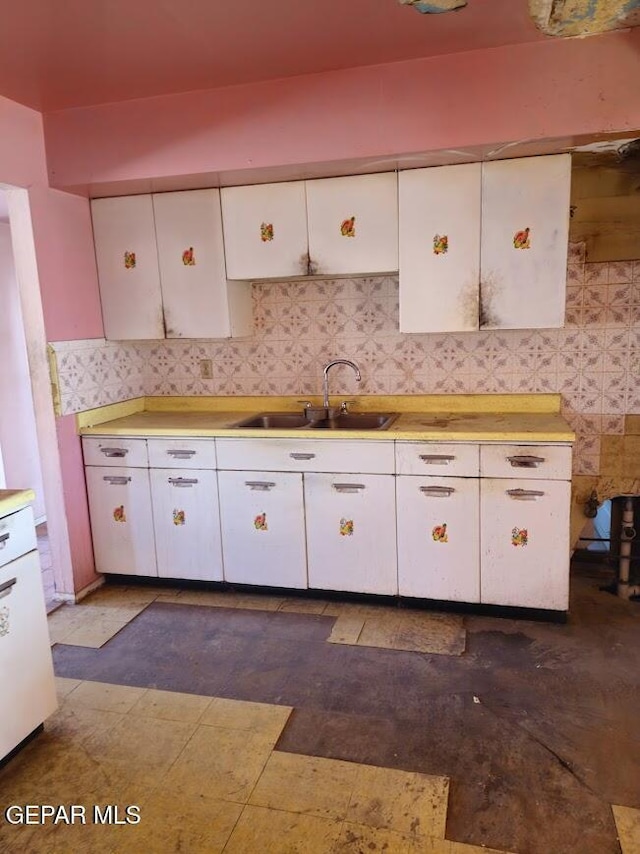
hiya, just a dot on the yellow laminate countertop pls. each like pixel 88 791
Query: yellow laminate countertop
pixel 489 421
pixel 15 499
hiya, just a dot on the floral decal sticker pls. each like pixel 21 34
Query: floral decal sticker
pixel 266 232
pixel 440 244
pixel 179 517
pixel 129 260
pixel 521 239
pixel 348 227
pixel 119 514
pixel 439 533
pixel 346 527
pixel 188 257
pixel 519 537
pixel 4 622
pixel 260 522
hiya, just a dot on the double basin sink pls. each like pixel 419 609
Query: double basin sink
pixel 341 421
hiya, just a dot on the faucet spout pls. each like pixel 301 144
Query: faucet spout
pixel 352 365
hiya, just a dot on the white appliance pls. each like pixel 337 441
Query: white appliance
pixel 27 688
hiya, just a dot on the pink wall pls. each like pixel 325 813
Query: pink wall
pixel 69 288
pixel 534 91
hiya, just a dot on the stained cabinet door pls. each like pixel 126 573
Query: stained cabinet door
pixel 128 272
pixel 525 233
pixel 524 535
pixel 353 224
pixel 262 520
pixel 438 534
pixel 192 269
pixel 121 520
pixel 187 523
pixel 350 522
pixel 265 230
pixel 439 248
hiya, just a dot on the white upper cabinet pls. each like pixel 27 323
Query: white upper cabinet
pixel 329 226
pixel 161 268
pixel 265 230
pixel 440 248
pixel 525 234
pixel 484 246
pixel 127 259
pixel 353 224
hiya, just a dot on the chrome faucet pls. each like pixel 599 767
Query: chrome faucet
pixel 325 399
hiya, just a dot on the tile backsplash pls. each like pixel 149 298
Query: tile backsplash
pixel 593 362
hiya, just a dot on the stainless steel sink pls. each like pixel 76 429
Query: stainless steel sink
pixel 342 421
pixel 357 421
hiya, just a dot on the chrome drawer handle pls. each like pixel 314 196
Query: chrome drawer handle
pixel 181 455
pixel 182 481
pixel 525 461
pixel 437 491
pixel 114 452
pixel 298 455
pixel 437 459
pixel 348 487
pixel 525 494
pixel 7 587
pixel 4 538
pixel 260 485
pixel 116 480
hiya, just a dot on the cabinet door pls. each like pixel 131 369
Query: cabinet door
pixel 351 528
pixel 262 518
pixel 192 269
pixel 524 535
pixel 186 520
pixel 127 260
pixel 525 232
pixel 439 248
pixel 121 520
pixel 353 224
pixel 438 533
pixel 265 230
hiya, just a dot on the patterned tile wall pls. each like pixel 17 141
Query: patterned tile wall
pixel 298 326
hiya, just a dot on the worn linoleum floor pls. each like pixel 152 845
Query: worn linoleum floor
pixel 243 723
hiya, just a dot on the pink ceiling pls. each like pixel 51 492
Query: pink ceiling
pixel 55 55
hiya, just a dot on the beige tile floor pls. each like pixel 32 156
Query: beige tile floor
pixel 205 777
pixel 96 619
pixel 628 827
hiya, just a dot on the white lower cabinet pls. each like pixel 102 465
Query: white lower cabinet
pixel 262 521
pixel 438 533
pixel 186 518
pixel 350 524
pixel 524 534
pixel 121 520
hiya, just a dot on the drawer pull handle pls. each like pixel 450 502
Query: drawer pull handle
pixel 4 539
pixel 299 455
pixel 260 485
pixel 437 459
pixel 116 480
pixel 525 461
pixel 183 481
pixel 7 587
pixel 437 491
pixel 115 452
pixel 181 455
pixel 348 487
pixel 525 494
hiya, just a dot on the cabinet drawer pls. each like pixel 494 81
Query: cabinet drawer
pixel 182 453
pixel 427 458
pixel 114 451
pixel 306 455
pixel 17 535
pixel 550 462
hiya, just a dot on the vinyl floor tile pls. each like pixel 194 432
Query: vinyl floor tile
pixel 105 696
pixel 278 832
pixel 171 706
pixel 628 826
pixel 263 719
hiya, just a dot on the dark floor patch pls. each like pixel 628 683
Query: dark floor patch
pixel 535 725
